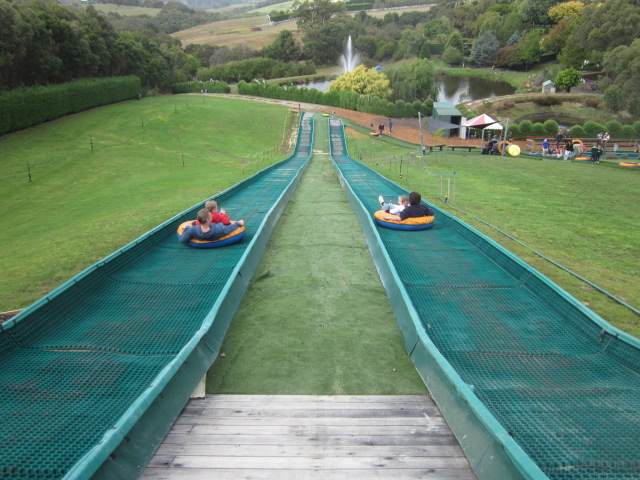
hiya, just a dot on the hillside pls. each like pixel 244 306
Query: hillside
pixel 239 31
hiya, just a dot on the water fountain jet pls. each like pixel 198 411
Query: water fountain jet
pixel 349 60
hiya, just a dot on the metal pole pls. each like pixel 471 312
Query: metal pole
pixel 421 139
pixel 506 131
pixel 453 197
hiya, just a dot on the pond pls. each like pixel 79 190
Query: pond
pixel 452 88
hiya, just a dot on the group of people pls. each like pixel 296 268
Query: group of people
pixel 407 207
pixel 210 225
pixel 565 151
pixel 381 127
pixel 491 147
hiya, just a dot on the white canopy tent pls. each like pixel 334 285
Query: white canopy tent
pixel 493 126
pixel 493 129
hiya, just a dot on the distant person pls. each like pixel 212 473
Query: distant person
pixel 595 153
pixel 403 201
pixel 568 150
pixel 559 138
pixel 207 231
pixel 416 208
pixel 545 147
pixel 605 140
pixel 390 126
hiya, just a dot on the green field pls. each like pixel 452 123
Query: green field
pixel 576 214
pixel 151 159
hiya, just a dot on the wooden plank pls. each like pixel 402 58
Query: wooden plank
pixel 324 430
pixel 299 437
pixel 305 474
pixel 239 450
pixel 184 421
pixel 314 462
pixel 312 440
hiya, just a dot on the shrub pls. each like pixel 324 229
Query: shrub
pixel 514 130
pixel 592 102
pixel 592 129
pixel 26 107
pixel 614 128
pixel 551 128
pixel 636 127
pixel 627 132
pixel 526 128
pixel 577 132
pixel 539 130
pixel 547 101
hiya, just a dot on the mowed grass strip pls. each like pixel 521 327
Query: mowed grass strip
pixel 580 215
pixel 315 319
pixel 151 159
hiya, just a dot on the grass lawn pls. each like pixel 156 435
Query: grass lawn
pixel 84 204
pixel 151 159
pixel 316 319
pixel 577 214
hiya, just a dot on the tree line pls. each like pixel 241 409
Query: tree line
pixel 45 43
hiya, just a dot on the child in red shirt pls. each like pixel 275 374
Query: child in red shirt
pixel 216 217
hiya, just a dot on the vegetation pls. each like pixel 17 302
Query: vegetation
pixel 166 153
pixel 363 81
pixel 26 107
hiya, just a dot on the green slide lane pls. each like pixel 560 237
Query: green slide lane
pixel 316 318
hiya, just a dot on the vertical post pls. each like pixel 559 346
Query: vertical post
pixel 421 138
pixel 506 131
pixel 453 196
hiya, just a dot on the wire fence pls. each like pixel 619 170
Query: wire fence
pixel 412 168
pixel 284 149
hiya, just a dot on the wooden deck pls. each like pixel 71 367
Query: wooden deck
pixel 309 437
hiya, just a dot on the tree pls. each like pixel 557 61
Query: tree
pixel 622 68
pixel 455 40
pixel 484 48
pixel 452 56
pixel 364 81
pixel 604 26
pixel 284 48
pixel 572 55
pixel 557 37
pixel 513 39
pixel 571 9
pixel 415 81
pixel 425 51
pixel 535 11
pixel 530 48
pixel 568 78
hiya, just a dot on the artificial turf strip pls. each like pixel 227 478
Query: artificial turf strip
pixel 316 319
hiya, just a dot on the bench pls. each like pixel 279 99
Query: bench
pixel 453 147
pixel 431 147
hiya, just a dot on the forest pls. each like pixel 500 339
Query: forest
pixel 44 43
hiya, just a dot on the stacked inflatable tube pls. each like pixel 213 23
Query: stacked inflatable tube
pixel 387 220
pixel 229 239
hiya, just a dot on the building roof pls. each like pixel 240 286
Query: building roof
pixel 446 109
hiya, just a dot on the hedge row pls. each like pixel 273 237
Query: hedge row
pixel 195 87
pixel 590 129
pixel 349 100
pixel 26 107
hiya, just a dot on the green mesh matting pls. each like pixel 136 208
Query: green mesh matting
pixel 569 397
pixel 74 362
